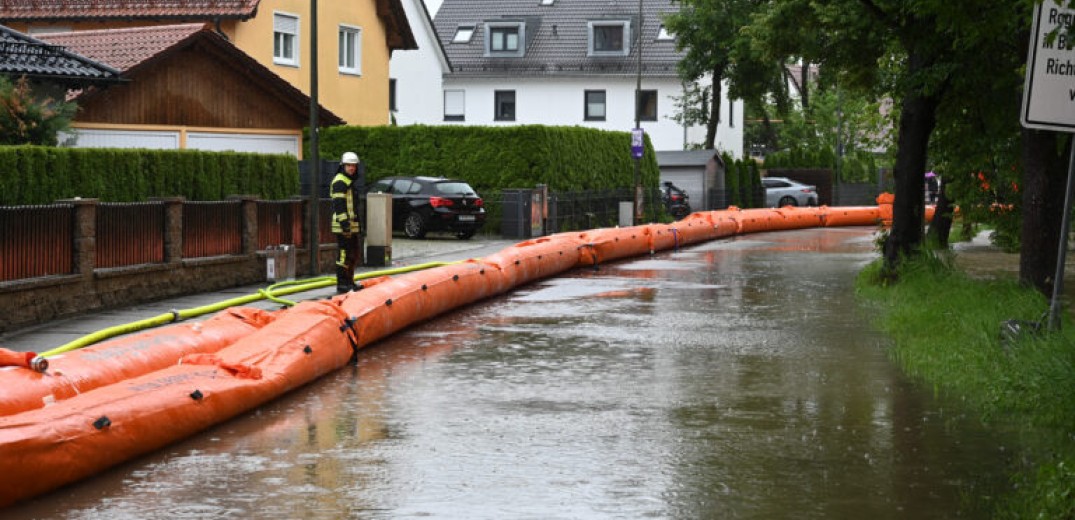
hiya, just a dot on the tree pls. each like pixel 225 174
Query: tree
pixel 24 119
pixel 711 32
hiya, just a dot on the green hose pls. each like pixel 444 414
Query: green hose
pixel 270 293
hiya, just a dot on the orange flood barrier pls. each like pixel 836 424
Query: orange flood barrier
pixel 99 406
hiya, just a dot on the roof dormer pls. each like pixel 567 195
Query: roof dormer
pixel 505 39
pixel 608 38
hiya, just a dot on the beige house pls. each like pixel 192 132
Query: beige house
pixel 355 39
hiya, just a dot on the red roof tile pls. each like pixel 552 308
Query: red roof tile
pixel 111 9
pixel 124 48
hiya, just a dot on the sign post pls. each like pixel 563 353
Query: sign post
pixel 1049 104
pixel 637 150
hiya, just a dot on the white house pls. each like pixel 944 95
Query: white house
pixel 415 76
pixel 553 62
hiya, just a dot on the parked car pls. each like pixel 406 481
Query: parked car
pixel 676 201
pixel 424 204
pixel 781 191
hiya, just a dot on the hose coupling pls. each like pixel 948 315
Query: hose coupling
pixel 39 364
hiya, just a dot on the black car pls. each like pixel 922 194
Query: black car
pixel 676 201
pixel 423 204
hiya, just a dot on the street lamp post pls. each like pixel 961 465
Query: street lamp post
pixel 315 154
pixel 638 124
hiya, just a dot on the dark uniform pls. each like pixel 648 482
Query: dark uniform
pixel 345 224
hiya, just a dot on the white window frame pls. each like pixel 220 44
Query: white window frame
pixel 493 27
pixel 463 34
pixel 280 29
pixel 455 105
pixel 591 40
pixel 354 46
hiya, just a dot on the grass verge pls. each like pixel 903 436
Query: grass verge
pixel 946 330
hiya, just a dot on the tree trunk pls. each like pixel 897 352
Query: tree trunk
pixel 1044 186
pixel 940 228
pixel 916 124
pixel 804 87
pixel 714 110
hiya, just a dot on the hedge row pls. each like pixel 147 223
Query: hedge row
pixel 42 175
pixel 742 180
pixel 495 158
pixel 857 166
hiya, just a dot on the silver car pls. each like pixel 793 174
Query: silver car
pixel 781 191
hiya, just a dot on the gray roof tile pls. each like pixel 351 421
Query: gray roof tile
pixel 560 43
pixel 21 54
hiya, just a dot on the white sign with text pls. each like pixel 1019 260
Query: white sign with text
pixel 1049 95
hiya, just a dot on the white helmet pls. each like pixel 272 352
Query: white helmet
pixel 349 158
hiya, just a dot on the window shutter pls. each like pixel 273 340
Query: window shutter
pixel 285 24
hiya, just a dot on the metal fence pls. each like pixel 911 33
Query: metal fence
pixel 212 228
pixel 574 210
pixel 36 241
pixel 129 233
pixel 280 222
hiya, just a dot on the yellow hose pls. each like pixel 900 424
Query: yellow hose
pixel 271 293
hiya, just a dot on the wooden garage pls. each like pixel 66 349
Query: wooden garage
pixel 188 87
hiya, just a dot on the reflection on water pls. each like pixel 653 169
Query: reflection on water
pixel 732 379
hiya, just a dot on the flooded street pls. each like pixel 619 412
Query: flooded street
pixel 733 379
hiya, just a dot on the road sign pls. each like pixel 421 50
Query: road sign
pixel 1049 96
pixel 636 143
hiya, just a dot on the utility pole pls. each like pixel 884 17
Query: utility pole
pixel 638 124
pixel 313 226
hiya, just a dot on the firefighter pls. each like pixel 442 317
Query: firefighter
pixel 345 222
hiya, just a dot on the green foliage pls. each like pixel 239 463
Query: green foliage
pixel 494 158
pixel 953 344
pixel 42 175
pixel 29 119
pixel 859 166
pixel 717 47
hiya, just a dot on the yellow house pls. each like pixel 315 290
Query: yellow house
pixel 355 39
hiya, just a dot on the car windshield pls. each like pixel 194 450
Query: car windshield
pixel 454 188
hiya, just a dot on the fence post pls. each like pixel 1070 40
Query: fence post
pixel 85 235
pixel 173 228
pixel 249 212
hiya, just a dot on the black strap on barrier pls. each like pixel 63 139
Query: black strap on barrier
pixel 352 338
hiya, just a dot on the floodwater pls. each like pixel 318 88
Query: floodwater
pixel 733 379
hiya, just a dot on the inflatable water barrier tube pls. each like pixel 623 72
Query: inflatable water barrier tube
pixel 104 404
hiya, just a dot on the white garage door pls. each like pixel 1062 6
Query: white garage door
pixel 258 143
pixel 169 140
pixel 93 138
pixel 690 182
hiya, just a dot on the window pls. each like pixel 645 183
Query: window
pixel 609 38
pixel 392 95
pixel 463 34
pixel 647 105
pixel 731 113
pixel 285 45
pixel 504 105
pixel 504 39
pixel 547 2
pixel 350 50
pixel 454 105
pixel 664 35
pixel 595 105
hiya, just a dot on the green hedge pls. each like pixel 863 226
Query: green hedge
pixel 857 166
pixel 42 175
pixel 742 180
pixel 495 158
